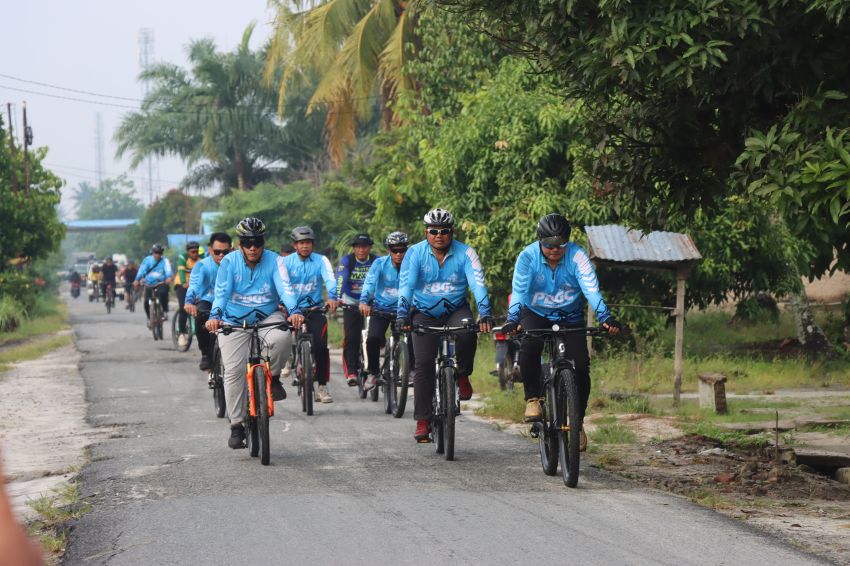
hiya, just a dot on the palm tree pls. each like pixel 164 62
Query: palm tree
pixel 359 49
pixel 219 116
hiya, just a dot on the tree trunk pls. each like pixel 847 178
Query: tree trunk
pixel 812 338
pixel 239 165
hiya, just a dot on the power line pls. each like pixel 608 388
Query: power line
pixel 106 173
pixel 68 89
pixel 61 97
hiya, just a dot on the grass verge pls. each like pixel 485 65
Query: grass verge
pixel 48 324
pixel 31 350
pixel 54 512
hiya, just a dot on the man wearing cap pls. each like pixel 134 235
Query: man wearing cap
pixel 350 275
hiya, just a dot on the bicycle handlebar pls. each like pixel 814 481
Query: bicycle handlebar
pixel 423 329
pixel 556 330
pixel 317 308
pixel 228 328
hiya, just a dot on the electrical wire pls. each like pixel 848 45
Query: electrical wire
pixel 57 87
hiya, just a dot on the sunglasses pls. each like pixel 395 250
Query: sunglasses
pixel 554 242
pixel 397 250
pixel 439 231
pixel 249 243
pixel 220 252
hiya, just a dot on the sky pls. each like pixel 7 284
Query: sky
pixel 93 46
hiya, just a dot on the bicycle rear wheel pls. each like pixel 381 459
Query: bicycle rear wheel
pixel 218 385
pixel 108 301
pixel 374 393
pixel 568 427
pixel 547 433
pixel 262 404
pixel 448 399
pixel 132 301
pixel 400 376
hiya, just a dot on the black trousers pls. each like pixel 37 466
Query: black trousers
pixel 377 339
pixel 161 294
pixel 531 349
pixel 317 326
pixel 425 352
pixel 182 316
pixel 206 341
pixel 352 325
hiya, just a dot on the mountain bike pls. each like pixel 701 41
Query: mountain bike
pixel 188 332
pixel 216 383
pixel 507 359
pixel 132 296
pixel 157 316
pixel 362 374
pixel 305 361
pixel 395 369
pixel 446 400
pixel 259 402
pixel 559 429
pixel 109 298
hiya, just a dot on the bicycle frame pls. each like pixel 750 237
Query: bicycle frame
pixel 255 359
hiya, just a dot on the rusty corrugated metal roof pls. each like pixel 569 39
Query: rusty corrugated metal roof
pixel 621 244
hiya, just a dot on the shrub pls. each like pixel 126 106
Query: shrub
pixel 11 314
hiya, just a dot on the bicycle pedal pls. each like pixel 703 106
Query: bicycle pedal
pixel 534 432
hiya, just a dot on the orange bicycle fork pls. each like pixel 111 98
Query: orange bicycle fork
pixel 252 396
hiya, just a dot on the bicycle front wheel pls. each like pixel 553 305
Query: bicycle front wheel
pixel 306 351
pixel 568 427
pixel 218 385
pixel 389 370
pixel 108 302
pixel 400 376
pixel 262 403
pixel 547 433
pixel 449 402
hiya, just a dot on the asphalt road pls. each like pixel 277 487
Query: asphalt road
pixel 347 485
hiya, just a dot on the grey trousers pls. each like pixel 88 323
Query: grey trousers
pixel 235 349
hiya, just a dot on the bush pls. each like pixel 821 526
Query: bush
pixel 21 287
pixel 11 314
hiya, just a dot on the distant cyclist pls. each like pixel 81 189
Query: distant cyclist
pixel 380 293
pixel 553 279
pixel 249 286
pixel 307 272
pixel 185 262
pixel 201 293
pixel 155 271
pixel 435 277
pixel 129 274
pixel 350 274
pixel 109 276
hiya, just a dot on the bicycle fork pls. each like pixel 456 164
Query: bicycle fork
pixel 253 410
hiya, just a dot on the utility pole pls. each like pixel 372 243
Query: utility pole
pixel 27 143
pixel 12 148
pixel 98 147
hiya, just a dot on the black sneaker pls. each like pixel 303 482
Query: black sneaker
pixel 206 363
pixel 278 392
pixel 237 436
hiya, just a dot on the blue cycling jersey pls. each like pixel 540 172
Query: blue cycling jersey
pixel 438 290
pixel 556 294
pixel 304 281
pixel 381 286
pixel 350 274
pixel 202 281
pixel 247 295
pixel 154 271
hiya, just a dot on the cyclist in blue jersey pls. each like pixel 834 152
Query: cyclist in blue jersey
pixel 435 278
pixel 249 286
pixel 155 271
pixel 553 279
pixel 380 293
pixel 306 272
pixel 201 293
pixel 350 274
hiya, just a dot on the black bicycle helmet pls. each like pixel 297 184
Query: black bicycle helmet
pixel 157 249
pixel 439 217
pixel 396 239
pixel 193 245
pixel 361 240
pixel 251 228
pixel 303 233
pixel 554 229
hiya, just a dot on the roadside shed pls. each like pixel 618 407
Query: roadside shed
pixel 620 247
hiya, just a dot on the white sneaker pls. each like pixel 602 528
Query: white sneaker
pixel 285 373
pixel 323 395
pixel 182 340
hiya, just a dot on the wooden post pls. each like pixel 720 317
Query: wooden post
pixel 681 277
pixel 12 149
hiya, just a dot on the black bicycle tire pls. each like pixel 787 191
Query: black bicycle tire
pixel 449 400
pixel 219 401
pixel 437 431
pixel 390 364
pixel 108 303
pixel 547 435
pixel 261 399
pixel 307 364
pixel 154 320
pixel 568 441
pixel 174 334
pixel 400 380
pixel 374 393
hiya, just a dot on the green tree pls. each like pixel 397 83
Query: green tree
pixel 220 117
pixel 113 198
pixel 173 213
